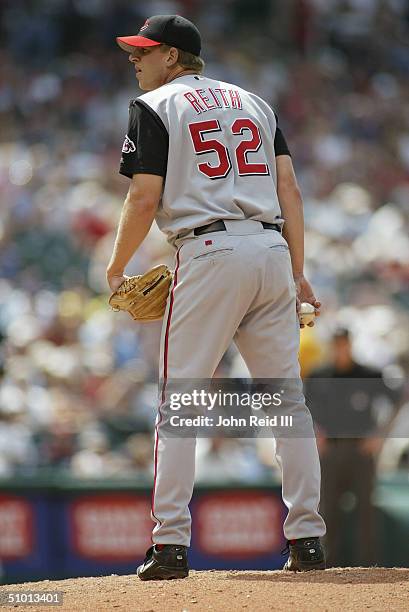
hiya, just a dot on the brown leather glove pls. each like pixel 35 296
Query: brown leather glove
pixel 144 296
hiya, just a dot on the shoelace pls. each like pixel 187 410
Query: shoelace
pixel 307 544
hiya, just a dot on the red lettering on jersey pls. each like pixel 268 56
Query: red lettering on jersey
pixel 198 131
pixel 190 97
pixel 235 99
pixel 246 168
pixel 222 93
pixel 205 99
pixel 215 97
pixel 208 242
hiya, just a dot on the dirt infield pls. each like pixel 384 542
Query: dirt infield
pixel 334 589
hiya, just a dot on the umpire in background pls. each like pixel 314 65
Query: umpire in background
pixel 341 397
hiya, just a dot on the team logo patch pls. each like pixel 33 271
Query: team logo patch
pixel 145 26
pixel 128 146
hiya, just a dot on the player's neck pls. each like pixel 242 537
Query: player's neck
pixel 178 73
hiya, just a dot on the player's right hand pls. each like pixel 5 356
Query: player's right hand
pixel 305 293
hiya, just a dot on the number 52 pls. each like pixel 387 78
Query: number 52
pixel 199 129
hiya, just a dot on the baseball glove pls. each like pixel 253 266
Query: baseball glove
pixel 144 296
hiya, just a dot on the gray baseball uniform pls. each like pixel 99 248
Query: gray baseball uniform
pixel 215 144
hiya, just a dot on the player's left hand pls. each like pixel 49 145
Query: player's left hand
pixel 115 280
pixel 305 293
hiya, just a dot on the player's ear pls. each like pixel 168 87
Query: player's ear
pixel 173 57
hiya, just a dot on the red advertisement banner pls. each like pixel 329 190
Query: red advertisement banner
pixel 239 524
pixel 110 527
pixel 16 527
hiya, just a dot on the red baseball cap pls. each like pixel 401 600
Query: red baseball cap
pixel 170 30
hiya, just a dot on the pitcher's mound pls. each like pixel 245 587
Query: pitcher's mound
pixel 333 589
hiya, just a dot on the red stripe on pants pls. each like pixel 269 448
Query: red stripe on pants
pixel 165 377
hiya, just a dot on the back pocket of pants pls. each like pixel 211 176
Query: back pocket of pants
pixel 215 254
pixel 279 247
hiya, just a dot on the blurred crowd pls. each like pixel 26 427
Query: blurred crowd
pixel 78 383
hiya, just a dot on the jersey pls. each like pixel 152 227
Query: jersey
pixel 214 143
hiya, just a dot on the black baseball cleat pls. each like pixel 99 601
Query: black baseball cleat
pixel 305 554
pixel 164 562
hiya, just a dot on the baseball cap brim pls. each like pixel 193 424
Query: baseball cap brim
pixel 128 43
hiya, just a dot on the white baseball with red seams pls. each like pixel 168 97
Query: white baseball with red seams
pixel 306 313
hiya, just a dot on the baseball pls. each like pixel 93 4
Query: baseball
pixel 306 313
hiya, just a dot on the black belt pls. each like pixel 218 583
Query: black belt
pixel 219 226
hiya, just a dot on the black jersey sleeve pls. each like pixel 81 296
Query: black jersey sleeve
pixel 280 143
pixel 145 148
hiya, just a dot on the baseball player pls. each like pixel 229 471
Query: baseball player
pixel 207 161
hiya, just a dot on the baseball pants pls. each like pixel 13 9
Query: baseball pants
pixel 235 285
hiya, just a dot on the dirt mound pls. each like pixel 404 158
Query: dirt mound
pixel 335 589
